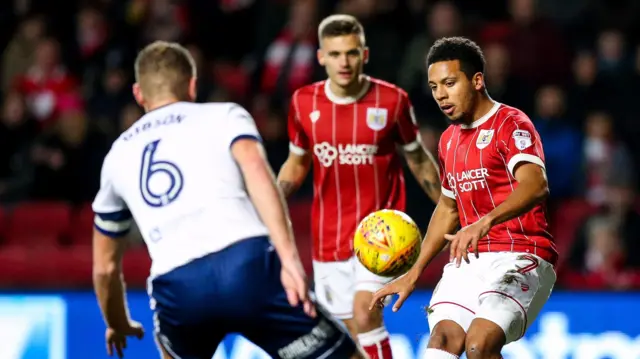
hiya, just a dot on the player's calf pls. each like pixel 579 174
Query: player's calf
pixel 447 341
pixel 373 337
pixel 485 340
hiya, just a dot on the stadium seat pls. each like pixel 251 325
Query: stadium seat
pixel 38 219
pixel 81 229
pixel 28 267
pixel 75 266
pixel 136 265
pixel 565 221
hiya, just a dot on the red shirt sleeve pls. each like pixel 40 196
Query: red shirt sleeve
pixel 299 142
pixel 407 126
pixel 446 186
pixel 518 141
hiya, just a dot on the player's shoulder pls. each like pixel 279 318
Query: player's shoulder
pixel 508 116
pixel 308 91
pixel 386 87
pixel 218 108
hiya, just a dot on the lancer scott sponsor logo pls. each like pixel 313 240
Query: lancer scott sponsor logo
pixel 345 154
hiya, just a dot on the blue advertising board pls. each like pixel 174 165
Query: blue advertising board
pixel 571 326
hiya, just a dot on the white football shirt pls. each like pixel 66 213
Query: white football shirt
pixel 173 172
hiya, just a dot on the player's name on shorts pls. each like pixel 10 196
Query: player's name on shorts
pixel 346 154
pixel 153 123
pixel 469 180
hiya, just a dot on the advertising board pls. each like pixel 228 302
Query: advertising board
pixel 571 326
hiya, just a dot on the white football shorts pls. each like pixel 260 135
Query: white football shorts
pixel 506 288
pixel 336 284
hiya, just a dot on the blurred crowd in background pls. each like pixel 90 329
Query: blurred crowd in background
pixel 572 65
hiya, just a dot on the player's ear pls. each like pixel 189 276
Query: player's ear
pixel 320 56
pixel 478 81
pixel 365 55
pixel 137 94
pixel 193 88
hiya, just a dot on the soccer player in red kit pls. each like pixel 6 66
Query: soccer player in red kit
pixel 494 185
pixel 349 128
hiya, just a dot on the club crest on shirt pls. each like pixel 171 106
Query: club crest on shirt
pixel 522 139
pixel 376 118
pixel 484 138
pixel 314 116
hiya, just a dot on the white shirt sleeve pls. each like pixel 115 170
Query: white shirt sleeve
pixel 240 125
pixel 112 218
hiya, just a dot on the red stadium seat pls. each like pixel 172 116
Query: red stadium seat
pixel 565 221
pixel 34 219
pixel 28 267
pixel 75 266
pixel 81 229
pixel 136 265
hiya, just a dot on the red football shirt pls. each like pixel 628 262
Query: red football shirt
pixel 477 163
pixel 357 168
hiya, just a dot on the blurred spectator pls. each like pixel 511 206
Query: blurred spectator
pixel 19 54
pixel 501 84
pixel 45 82
pixel 68 160
pixel 606 159
pixel 561 142
pixel 163 20
pixel 611 54
pixel 17 132
pixel 442 20
pixel 604 262
pixel 538 52
pixel 289 60
pixel 386 26
pixel 586 90
pixel 105 104
pixel 91 32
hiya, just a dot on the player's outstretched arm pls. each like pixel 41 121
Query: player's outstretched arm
pixel 293 172
pixel 444 220
pixel 425 170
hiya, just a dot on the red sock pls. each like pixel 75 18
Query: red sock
pixel 376 343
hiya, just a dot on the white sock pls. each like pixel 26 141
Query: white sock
pixel 373 337
pixel 439 354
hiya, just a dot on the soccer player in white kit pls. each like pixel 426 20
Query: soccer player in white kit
pixel 195 179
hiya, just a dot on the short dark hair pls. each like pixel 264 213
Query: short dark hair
pixel 458 48
pixel 340 25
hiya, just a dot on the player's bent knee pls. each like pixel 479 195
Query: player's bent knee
pixel 484 340
pixel 449 337
pixel 366 320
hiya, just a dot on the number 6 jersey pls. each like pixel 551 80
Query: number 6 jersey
pixel 173 172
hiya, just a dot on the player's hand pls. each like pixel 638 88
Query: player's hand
pixel 294 281
pixel 402 286
pixel 466 240
pixel 116 340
